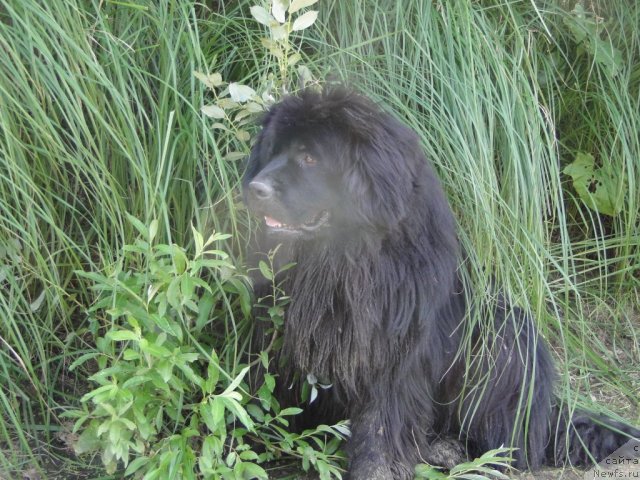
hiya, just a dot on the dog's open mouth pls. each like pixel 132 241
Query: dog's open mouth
pixel 321 219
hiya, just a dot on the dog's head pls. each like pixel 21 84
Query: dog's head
pixel 331 163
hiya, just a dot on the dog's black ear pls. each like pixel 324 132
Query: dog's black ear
pixel 385 157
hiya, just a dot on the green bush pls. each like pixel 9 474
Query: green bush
pixel 171 400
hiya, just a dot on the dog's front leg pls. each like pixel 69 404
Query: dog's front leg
pixel 372 454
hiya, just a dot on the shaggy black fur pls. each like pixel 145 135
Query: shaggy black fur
pixel 377 306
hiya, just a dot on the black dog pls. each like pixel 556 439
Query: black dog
pixel 377 308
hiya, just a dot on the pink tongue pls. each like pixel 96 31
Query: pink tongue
pixel 272 222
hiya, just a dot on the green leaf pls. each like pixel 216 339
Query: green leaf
pixel 98 391
pixel 213 373
pixel 179 259
pixel 190 374
pixel 130 354
pixel 142 229
pixel 279 10
pixel 212 413
pixel 265 270
pixel 153 229
pixel 173 293
pixel 205 305
pixel 81 359
pixel 299 4
pixel 168 326
pixel 261 15
pixel 256 412
pixel 305 20
pixel 279 33
pixel 291 411
pixel 293 59
pixel 198 239
pixel 213 111
pixel 87 441
pixel 234 156
pixel 153 349
pixel 270 381
pixel 136 465
pixel 243 136
pixel 236 381
pixel 122 335
pixel 586 31
pixel 37 303
pixel 241 93
pixel 238 411
pixel 599 188
pixel 212 80
pixel 251 471
pixel 187 287
pixel 428 472
pixel 305 74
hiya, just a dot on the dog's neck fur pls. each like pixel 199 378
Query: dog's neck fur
pixel 347 320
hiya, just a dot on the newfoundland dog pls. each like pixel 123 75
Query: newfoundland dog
pixel 377 307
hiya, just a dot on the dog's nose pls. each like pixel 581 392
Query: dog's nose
pixel 261 190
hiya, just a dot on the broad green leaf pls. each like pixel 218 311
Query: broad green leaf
pixel 130 354
pixel 278 33
pixel 212 80
pixel 198 239
pixel 226 103
pixel 305 74
pixel 153 229
pixel 428 472
pixel 173 293
pixel 279 10
pixel 153 349
pixel 586 31
pixel 261 15
pixel 236 381
pixel 299 4
pixel 305 20
pixel 167 325
pixel 293 59
pixel 87 441
pixel 270 381
pixel 243 135
pixel 98 391
pixel 213 111
pixel 136 465
pixel 239 412
pixel 191 375
pixel 217 236
pixel 121 335
pixel 142 229
pixel 291 411
pixel 187 287
pixel 265 270
pixel 205 305
pixel 235 156
pixel 254 107
pixel 81 359
pixel 598 188
pixel 241 93
pixel 251 470
pixel 37 303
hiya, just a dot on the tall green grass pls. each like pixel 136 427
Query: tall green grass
pixel 99 117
